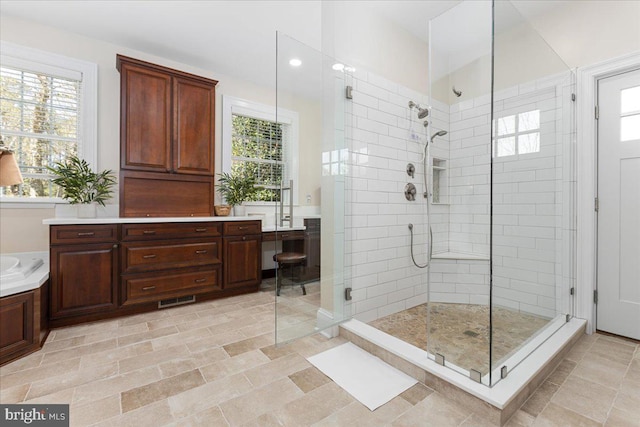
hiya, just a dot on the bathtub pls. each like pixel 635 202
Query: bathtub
pixel 21 272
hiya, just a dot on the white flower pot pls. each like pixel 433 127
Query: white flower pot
pixel 87 210
pixel 239 210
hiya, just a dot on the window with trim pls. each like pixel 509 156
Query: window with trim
pixel 517 134
pixel 262 143
pixel 47 112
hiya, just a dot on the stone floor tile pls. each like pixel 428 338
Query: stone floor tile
pixel 71 380
pixel 115 355
pixel 211 394
pixel 309 379
pixel 216 339
pixel 14 394
pixel 540 398
pixel 619 418
pixel 313 406
pixel 275 369
pixel 356 414
pixel 140 396
pixel 435 410
pixel 146 336
pixel 585 397
pixel 116 384
pixel 520 419
pixel 95 412
pixel 62 396
pixel 30 375
pixel 628 402
pixel 558 416
pixel 248 344
pixel 78 351
pixel 152 358
pixel 154 415
pixel 560 374
pixel 208 418
pixel 270 397
pixel 416 393
pixel 601 369
pixel 28 362
pixel 229 366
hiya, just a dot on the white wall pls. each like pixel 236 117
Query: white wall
pixel 22 229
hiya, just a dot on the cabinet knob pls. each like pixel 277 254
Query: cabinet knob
pixel 149 256
pixel 115 246
pixel 148 288
pixel 200 230
pixel 200 280
pixel 244 237
pixel 148 232
pixel 201 251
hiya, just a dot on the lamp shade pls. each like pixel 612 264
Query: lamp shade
pixel 9 171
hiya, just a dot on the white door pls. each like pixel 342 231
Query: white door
pixel 618 309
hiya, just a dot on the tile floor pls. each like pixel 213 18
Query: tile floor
pixel 214 364
pixel 460 332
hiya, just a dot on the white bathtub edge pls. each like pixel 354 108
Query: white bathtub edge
pixel 33 281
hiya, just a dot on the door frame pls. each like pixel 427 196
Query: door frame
pixel 586 176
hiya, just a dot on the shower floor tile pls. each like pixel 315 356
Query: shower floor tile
pixel 460 332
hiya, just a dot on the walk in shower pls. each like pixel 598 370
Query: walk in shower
pixel 450 214
pixel 497 228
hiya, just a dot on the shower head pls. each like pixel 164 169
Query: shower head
pixel 439 133
pixel 422 112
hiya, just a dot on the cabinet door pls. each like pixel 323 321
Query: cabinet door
pixel 16 324
pixel 194 109
pixel 242 260
pixel 145 119
pixel 312 250
pixel 83 279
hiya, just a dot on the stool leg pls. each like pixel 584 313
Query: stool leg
pixel 278 280
pixel 304 290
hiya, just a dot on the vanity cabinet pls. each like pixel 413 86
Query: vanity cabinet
pixel 23 323
pixel 312 249
pixel 167 128
pixel 83 270
pixel 107 270
pixel 242 254
pixel 168 260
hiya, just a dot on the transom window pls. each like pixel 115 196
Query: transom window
pixel 517 134
pixel 630 114
pixel 42 116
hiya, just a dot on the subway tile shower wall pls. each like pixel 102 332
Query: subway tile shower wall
pixel 532 254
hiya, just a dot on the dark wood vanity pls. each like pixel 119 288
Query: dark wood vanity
pixel 106 270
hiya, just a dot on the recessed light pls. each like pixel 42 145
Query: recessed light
pixel 295 62
pixel 338 67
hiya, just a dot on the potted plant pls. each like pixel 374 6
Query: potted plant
pixel 81 186
pixel 236 187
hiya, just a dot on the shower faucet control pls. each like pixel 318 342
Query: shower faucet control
pixel 411 169
pixel 410 192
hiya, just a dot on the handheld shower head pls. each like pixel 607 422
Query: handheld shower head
pixel 439 133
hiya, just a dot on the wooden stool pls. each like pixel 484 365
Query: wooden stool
pixel 289 259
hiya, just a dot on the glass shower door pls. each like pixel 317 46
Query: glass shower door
pixel 310 98
pixel 458 324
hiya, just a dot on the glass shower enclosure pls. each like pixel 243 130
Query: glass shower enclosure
pixel 501 273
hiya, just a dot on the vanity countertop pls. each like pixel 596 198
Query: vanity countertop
pixel 147 220
pixel 141 220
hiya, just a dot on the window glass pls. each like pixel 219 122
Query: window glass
pixel 506 146
pixel 529 143
pixel 506 125
pixel 529 121
pixel 630 128
pixel 630 100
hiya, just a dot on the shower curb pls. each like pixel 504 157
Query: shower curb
pixel 496 404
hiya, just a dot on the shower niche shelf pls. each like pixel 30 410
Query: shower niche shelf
pixel 439 182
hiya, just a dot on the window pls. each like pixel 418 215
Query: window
pixel 517 134
pixel 47 112
pixel 258 142
pixel 630 114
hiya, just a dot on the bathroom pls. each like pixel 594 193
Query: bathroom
pixel 365 215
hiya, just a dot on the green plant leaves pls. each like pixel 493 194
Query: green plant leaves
pixel 80 184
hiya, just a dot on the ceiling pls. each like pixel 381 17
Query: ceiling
pixel 229 37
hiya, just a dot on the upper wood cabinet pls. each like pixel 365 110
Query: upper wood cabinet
pixel 167 141
pixel 167 119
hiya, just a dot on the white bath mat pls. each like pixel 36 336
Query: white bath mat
pixel 362 375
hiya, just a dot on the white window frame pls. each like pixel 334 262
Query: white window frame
pixel 515 134
pixel 51 63
pixel 232 105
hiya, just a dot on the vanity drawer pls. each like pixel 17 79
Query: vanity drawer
pixel 170 231
pixel 72 234
pixel 139 289
pixel 283 236
pixel 170 254
pixel 240 228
